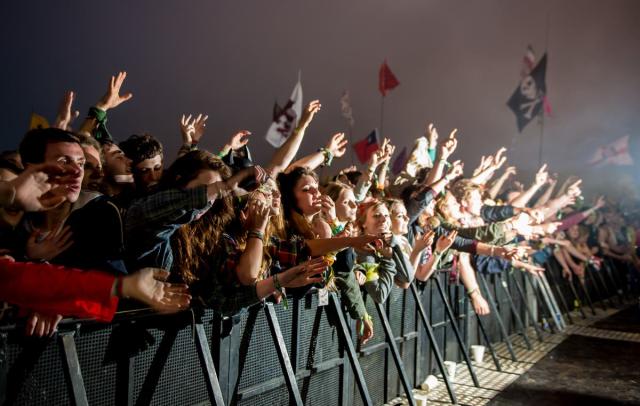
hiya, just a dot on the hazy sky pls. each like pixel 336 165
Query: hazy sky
pixel 457 62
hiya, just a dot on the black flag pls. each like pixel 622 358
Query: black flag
pixel 526 102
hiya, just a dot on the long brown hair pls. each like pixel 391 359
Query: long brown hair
pixel 294 219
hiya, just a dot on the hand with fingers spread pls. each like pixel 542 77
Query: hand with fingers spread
pixel 33 188
pixel 65 114
pixel 238 140
pixel 49 247
pixel 337 145
pixel 192 129
pixel 511 170
pixel 304 274
pixel 112 97
pixel 148 286
pixel 257 217
pixel 42 325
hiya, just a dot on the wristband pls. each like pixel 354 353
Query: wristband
pixel 276 284
pixel 328 156
pixel 364 318
pixel 256 234
pixel 472 291
pixel 101 134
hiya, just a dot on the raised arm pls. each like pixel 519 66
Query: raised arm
pixel 524 197
pixel 285 154
pixel 335 148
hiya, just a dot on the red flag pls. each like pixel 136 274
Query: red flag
pixel 367 146
pixel 387 80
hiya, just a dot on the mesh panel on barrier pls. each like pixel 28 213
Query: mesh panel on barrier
pixel 374 374
pixel 261 358
pixel 98 373
pixel 181 380
pixel 319 341
pixel 45 385
pixel 277 396
pixel 321 389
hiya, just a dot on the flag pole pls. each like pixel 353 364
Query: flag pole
pixel 542 112
pixel 381 117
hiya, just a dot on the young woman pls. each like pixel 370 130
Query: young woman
pixel 303 204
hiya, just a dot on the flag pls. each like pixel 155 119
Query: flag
pixel 528 63
pixel 614 153
pixel 285 119
pixel 400 162
pixel 37 121
pixel 367 146
pixel 387 80
pixel 345 108
pixel 527 100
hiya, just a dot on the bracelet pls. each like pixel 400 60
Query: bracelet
pixel 119 287
pixel 256 234
pixel 328 156
pixel 472 291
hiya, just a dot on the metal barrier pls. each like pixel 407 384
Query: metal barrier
pixel 269 355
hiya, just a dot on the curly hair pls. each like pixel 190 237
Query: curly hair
pixel 139 147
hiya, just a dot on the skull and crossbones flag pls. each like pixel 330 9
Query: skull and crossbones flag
pixel 527 100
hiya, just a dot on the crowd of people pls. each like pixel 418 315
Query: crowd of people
pixel 86 221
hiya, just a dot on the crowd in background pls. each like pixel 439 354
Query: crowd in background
pixel 86 221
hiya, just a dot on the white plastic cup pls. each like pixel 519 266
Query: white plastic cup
pixel 429 384
pixel 421 400
pixel 451 369
pixel 478 353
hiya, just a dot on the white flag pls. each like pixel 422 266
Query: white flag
pixel 615 153
pixel 285 119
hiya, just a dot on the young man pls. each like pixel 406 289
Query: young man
pixel 147 159
pixel 83 232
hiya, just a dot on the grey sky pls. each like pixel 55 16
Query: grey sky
pixel 457 61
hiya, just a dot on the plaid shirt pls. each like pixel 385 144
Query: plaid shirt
pixel 288 253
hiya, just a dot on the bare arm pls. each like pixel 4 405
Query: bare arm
pixel 499 183
pixel 285 154
pixel 523 198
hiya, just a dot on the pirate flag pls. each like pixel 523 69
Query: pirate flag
pixel 527 100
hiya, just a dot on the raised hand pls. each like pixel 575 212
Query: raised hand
pixel 600 202
pixel 457 169
pixel 449 145
pixel 192 129
pixel 257 216
pixel 574 189
pixel 113 98
pixel 239 140
pixel 337 145
pixel 432 135
pixel 511 170
pixel 424 241
pixel 499 159
pixel 49 247
pixel 542 175
pixel 65 115
pixel 307 115
pixel 445 241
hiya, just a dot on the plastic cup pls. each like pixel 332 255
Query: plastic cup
pixel 478 353
pixel 451 369
pixel 429 384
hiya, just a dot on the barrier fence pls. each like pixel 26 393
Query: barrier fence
pixel 304 354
